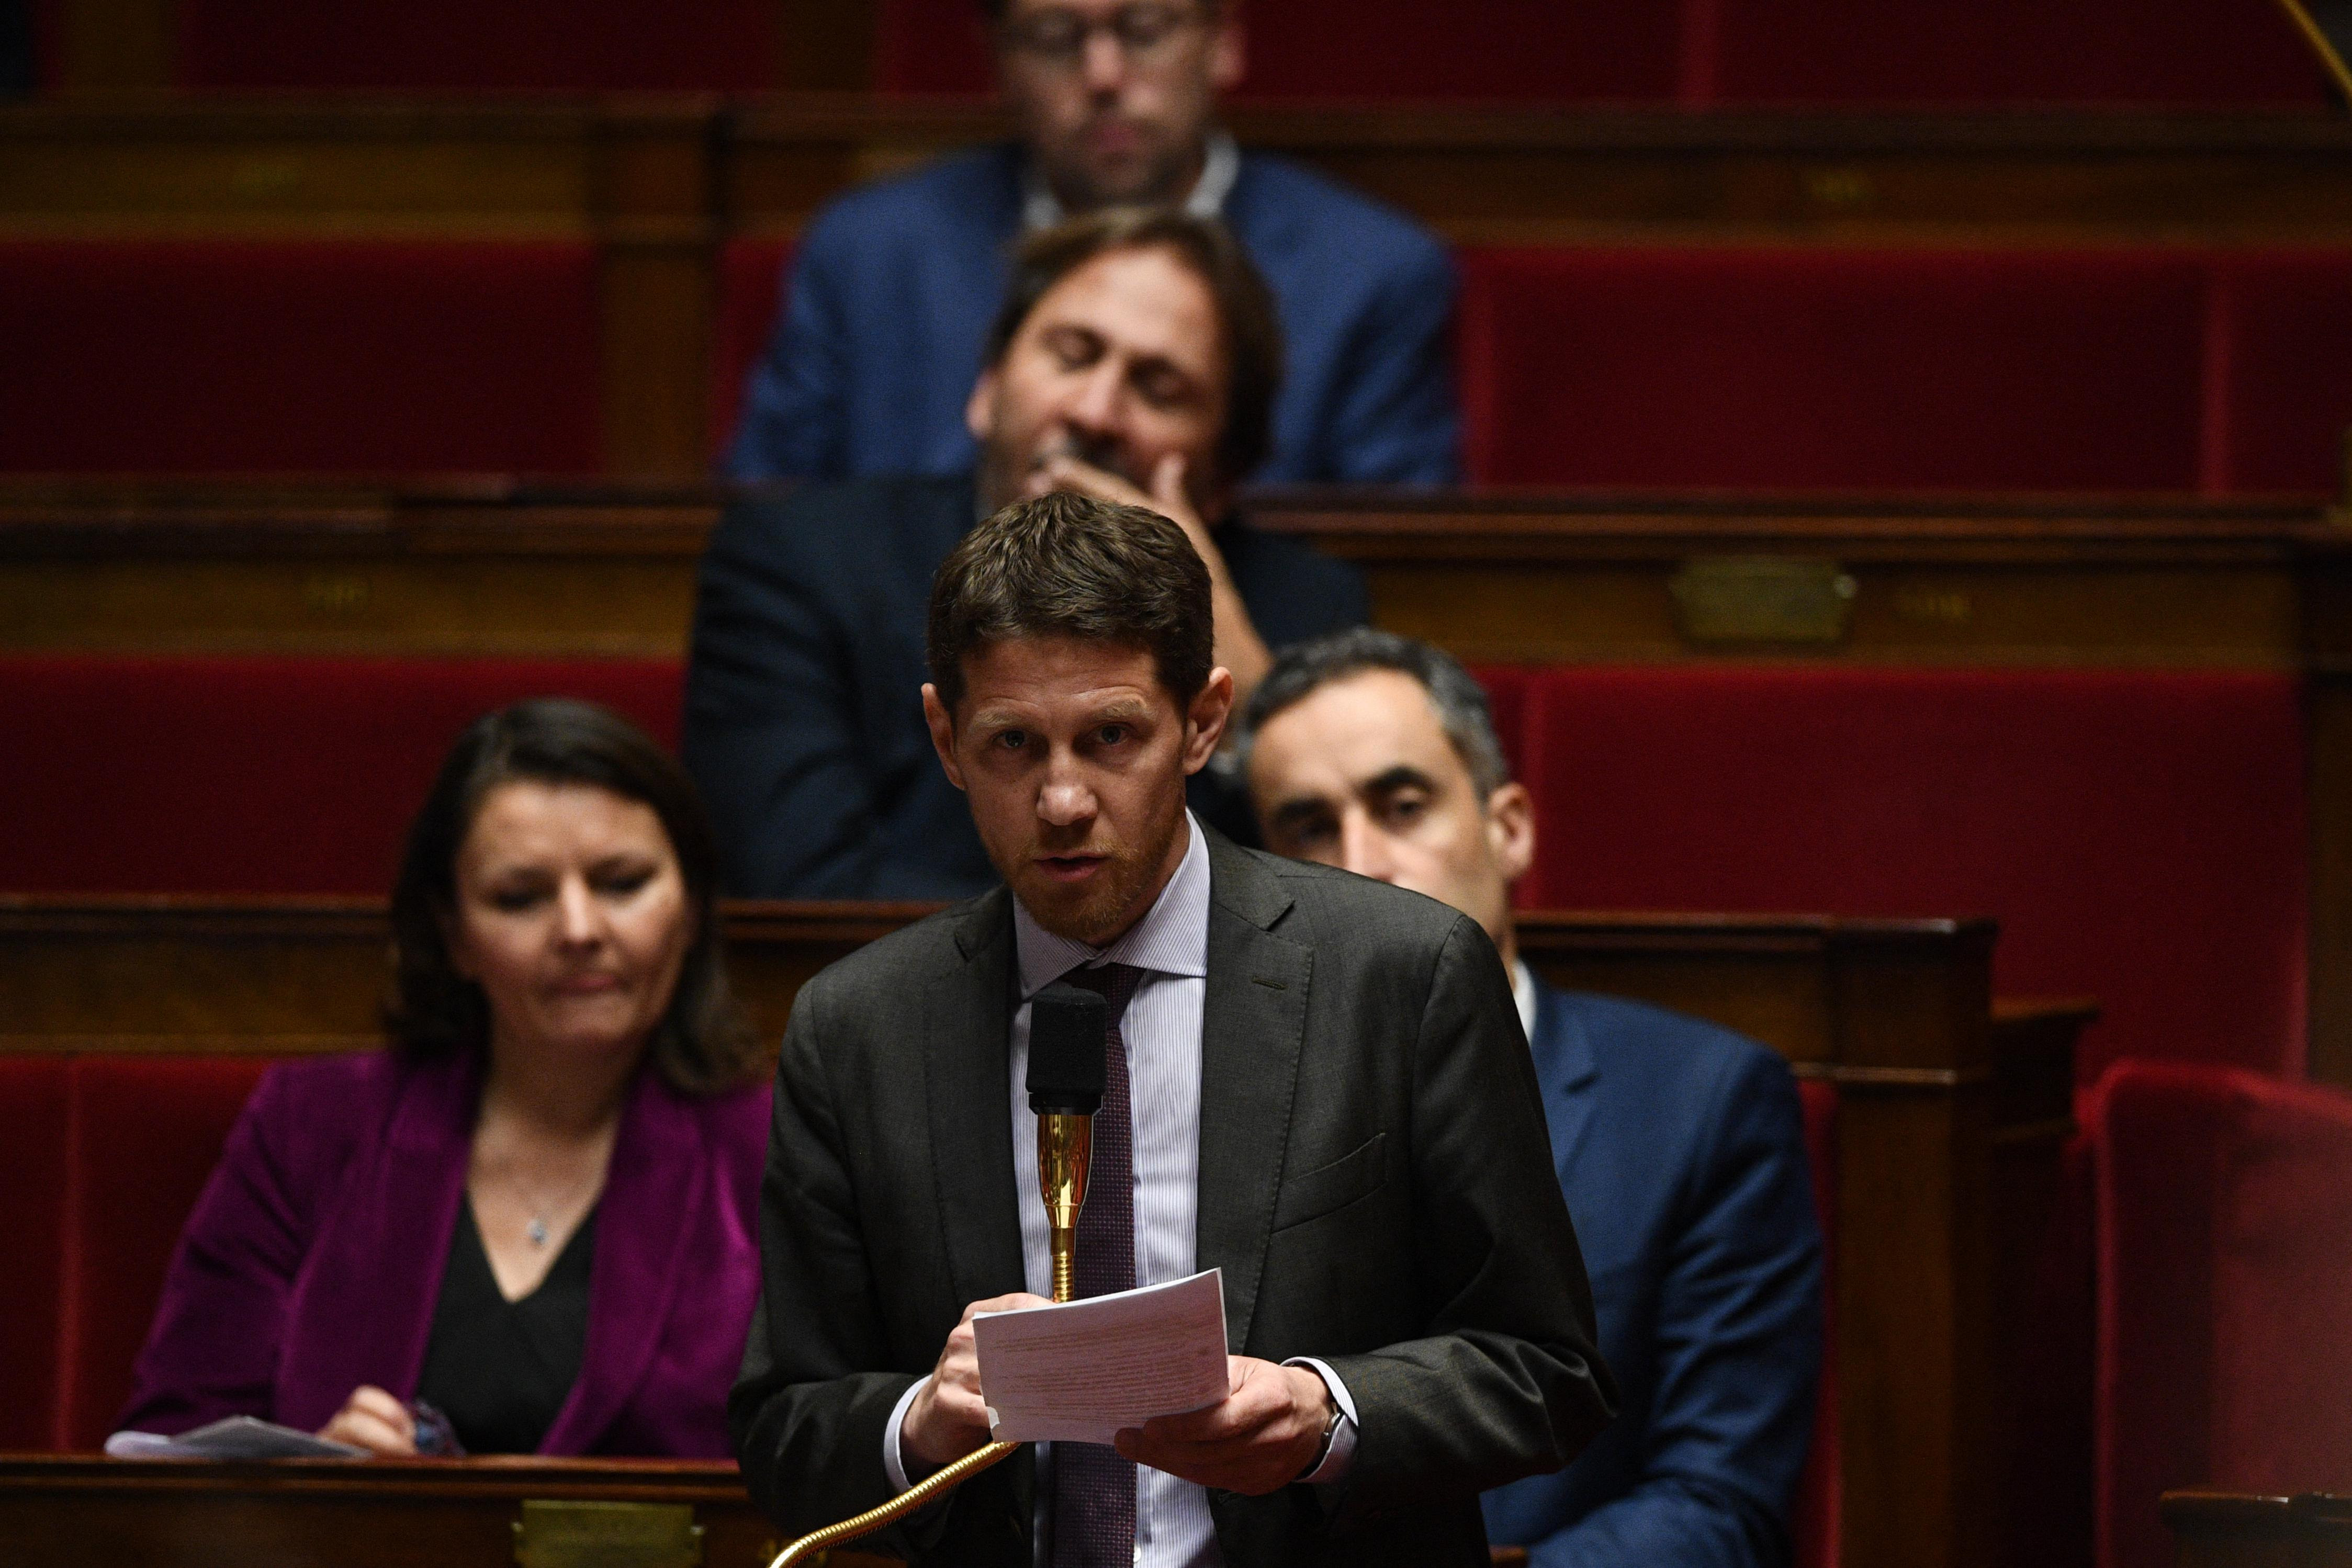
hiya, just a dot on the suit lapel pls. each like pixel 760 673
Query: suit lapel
pixel 967 1065
pixel 1566 1069
pixel 655 1192
pixel 1254 1028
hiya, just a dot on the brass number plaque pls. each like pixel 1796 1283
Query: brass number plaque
pixel 607 1535
pixel 1762 599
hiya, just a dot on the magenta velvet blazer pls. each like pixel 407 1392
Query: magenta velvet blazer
pixel 314 1259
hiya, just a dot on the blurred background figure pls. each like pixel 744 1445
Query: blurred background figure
pixel 18 70
pixel 1134 360
pixel 888 303
pixel 1680 1146
pixel 531 1215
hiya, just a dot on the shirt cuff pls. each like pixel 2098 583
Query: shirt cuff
pixel 892 1465
pixel 1341 1455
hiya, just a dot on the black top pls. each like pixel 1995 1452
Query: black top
pixel 501 1370
pixel 803 696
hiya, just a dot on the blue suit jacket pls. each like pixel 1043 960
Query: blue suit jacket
pixel 803 692
pixel 896 284
pixel 1681 1148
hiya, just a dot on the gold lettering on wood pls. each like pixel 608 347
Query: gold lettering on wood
pixel 335 593
pixel 1762 599
pixel 607 1535
pixel 1843 188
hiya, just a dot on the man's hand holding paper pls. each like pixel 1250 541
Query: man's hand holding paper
pixel 1085 1371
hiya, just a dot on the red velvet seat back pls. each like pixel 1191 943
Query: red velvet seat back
pixel 36 1143
pixel 1533 50
pixel 101 1158
pixel 2225 1293
pixel 2280 381
pixel 215 356
pixel 2211 52
pixel 2140 834
pixel 583 46
pixel 1807 368
pixel 206 775
pixel 1931 52
pixel 2169 369
pixel 751 283
pixel 149 1132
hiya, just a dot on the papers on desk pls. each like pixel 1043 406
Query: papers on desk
pixel 235 1437
pixel 1082 1371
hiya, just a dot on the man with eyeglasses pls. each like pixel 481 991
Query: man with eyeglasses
pixel 889 301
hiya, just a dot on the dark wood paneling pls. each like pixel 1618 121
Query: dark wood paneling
pixel 2240 1530
pixel 1519 175
pixel 1478 174
pixel 494 567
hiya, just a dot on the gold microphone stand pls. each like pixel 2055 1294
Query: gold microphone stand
pixel 1065 1153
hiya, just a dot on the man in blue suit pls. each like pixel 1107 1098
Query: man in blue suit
pixel 895 283
pixel 1680 1145
pixel 1134 360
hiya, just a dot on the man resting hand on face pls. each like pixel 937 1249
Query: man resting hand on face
pixel 1135 361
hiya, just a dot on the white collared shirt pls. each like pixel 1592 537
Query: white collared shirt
pixel 1161 1029
pixel 1523 993
pixel 1221 165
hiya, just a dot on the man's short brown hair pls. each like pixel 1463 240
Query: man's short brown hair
pixel 1067 565
pixel 1252 332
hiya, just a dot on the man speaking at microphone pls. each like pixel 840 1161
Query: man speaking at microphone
pixel 1314 1082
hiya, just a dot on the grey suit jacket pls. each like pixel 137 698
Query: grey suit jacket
pixel 1375 1181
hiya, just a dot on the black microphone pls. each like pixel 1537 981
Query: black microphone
pixel 1067 1028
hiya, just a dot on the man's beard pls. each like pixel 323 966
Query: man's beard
pixel 1101 913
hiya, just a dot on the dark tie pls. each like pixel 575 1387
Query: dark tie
pixel 1094 1489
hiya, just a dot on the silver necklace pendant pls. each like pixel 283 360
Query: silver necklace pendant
pixel 536 1230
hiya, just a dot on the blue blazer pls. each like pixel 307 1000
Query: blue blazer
pixel 889 301
pixel 1681 1148
pixel 804 688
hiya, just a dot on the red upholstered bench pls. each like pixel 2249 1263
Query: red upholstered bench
pixel 549 45
pixel 103 1157
pixel 215 356
pixel 2279 382
pixel 1706 51
pixel 2163 368
pixel 1530 51
pixel 1934 53
pixel 2225 1292
pixel 1790 368
pixel 205 775
pixel 2140 834
pixel 35 1139
pixel 750 298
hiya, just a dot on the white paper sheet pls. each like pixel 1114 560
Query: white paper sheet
pixel 1082 1371
pixel 233 1437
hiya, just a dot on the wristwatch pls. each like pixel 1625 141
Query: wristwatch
pixel 1323 1449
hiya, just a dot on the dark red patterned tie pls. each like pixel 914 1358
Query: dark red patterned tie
pixel 1094 1489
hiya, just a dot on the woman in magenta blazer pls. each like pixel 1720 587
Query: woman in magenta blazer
pixel 530 1222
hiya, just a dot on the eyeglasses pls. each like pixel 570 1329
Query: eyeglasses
pixel 1058 37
